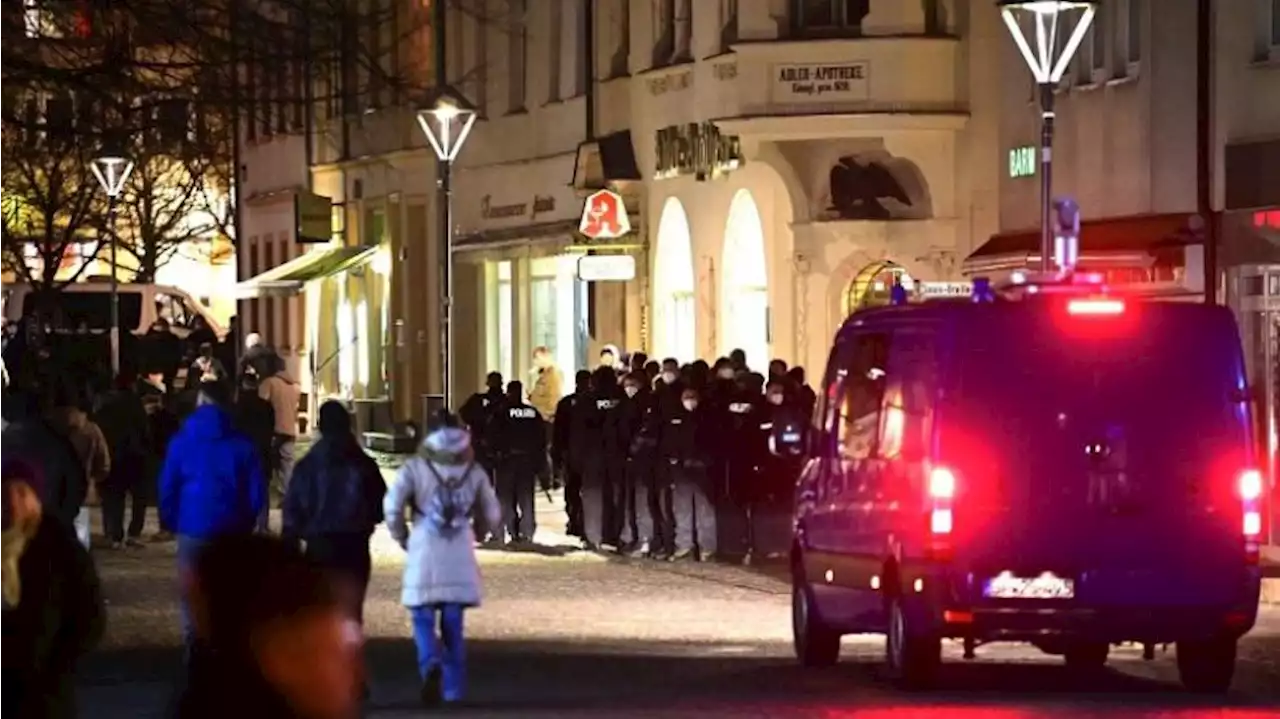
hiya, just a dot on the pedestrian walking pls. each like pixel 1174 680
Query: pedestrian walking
pixel 53 605
pixel 69 417
pixel 442 486
pixel 122 416
pixel 257 418
pixel 279 641
pixel 334 503
pixel 568 448
pixel 211 483
pixel 282 392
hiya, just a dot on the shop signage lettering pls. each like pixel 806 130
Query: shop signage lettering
pixel 541 204
pixel 698 150
pixel 1022 162
pixel 724 71
pixel 670 83
pixel 822 82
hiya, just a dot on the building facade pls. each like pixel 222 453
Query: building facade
pixel 800 157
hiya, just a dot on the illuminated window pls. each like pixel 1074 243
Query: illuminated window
pixel 362 342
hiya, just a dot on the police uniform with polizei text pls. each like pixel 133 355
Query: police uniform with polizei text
pixel 479 413
pixel 520 440
pixel 685 446
pixel 606 460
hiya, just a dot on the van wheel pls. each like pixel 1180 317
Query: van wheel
pixel 912 660
pixel 1207 667
pixel 1086 657
pixel 816 644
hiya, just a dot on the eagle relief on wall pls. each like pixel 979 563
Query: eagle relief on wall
pixel 859 189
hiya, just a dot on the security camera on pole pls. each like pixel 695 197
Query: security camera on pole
pixel 112 170
pixel 1038 28
pixel 447 120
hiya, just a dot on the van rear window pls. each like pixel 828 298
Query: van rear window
pixel 1171 377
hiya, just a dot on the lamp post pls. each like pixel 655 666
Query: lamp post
pixel 1048 22
pixel 112 170
pixel 446 120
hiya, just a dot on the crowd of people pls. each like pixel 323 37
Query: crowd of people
pixel 646 451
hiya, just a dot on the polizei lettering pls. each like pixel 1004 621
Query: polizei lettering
pixel 606 404
pixel 522 413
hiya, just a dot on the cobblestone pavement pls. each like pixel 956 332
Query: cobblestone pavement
pixel 570 634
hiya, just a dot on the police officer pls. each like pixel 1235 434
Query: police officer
pixel 522 453
pixel 684 447
pixel 606 461
pixel 478 413
pixel 741 444
pixel 636 532
pixel 568 457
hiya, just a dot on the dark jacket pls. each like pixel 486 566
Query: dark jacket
pixel 480 413
pixel 260 361
pixel 212 480
pixel 336 489
pixel 521 436
pixel 686 438
pixel 162 351
pixel 47 449
pixel 567 428
pixel 59 617
pixel 256 418
pixel 127 428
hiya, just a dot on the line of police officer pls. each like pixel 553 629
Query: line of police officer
pixel 645 455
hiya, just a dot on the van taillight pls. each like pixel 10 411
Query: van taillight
pixel 1250 487
pixel 1097 306
pixel 942 490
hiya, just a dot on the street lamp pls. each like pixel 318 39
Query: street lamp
pixel 112 168
pixel 446 119
pixel 1057 28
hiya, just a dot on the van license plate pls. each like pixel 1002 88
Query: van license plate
pixel 1046 586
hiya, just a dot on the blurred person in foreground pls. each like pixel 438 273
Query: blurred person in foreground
pixel 53 606
pixel 335 502
pixel 211 482
pixel 29 436
pixel 122 416
pixel 69 416
pixel 275 638
pixel 442 486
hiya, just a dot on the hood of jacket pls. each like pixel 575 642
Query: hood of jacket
pixel 72 418
pixel 447 446
pixel 208 421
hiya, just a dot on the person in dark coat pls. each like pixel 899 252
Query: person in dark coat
pixel 274 636
pixel 334 503
pixel 162 349
pixel 804 397
pixel 521 443
pixel 480 413
pixel 685 446
pixel 53 605
pixel 30 436
pixel 603 482
pixel 568 455
pixel 256 418
pixel 122 416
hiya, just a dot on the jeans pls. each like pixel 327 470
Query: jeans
pixel 637 518
pixel 516 494
pixel 189 549
pixel 437 633
pixel 282 461
pixel 695 516
pixel 113 503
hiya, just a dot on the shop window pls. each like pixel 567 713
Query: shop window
pixel 506 327
pixel 542 301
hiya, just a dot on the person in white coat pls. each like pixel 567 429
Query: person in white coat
pixel 442 487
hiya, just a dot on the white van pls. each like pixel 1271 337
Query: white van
pixel 89 303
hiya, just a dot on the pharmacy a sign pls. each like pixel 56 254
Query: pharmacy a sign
pixel 1022 162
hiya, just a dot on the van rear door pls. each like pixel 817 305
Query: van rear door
pixel 1104 447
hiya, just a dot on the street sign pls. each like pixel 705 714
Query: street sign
pixel 604 216
pixel 944 289
pixel 607 268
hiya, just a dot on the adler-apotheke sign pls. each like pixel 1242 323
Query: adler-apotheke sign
pixel 822 82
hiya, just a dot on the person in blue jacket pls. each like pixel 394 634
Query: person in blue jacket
pixel 211 484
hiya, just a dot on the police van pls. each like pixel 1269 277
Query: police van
pixel 1050 462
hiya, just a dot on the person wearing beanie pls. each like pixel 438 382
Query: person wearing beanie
pixel 334 503
pixel 53 605
pixel 441 487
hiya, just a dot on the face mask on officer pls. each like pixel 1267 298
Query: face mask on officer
pixel 669 377
pixel 631 390
pixel 775 398
pixel 725 373
pixel 690 403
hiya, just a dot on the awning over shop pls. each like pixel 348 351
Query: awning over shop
pixel 1118 240
pixel 607 159
pixel 292 277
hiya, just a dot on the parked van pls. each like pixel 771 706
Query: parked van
pixel 1066 467
pixel 89 304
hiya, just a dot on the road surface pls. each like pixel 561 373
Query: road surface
pixel 571 634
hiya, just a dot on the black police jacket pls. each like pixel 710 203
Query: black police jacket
pixel 520 434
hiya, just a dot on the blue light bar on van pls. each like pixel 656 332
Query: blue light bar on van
pixel 898 294
pixel 982 290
